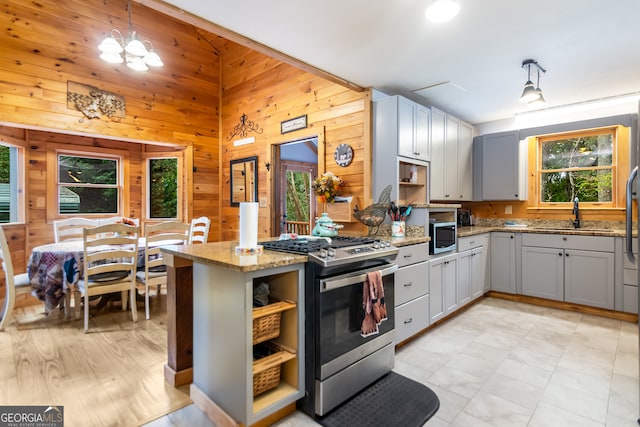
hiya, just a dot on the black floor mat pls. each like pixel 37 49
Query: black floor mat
pixel 394 400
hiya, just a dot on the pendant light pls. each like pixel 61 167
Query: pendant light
pixel 540 101
pixel 531 93
pixel 442 10
pixel 116 49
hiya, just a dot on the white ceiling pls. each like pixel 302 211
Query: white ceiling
pixel 590 48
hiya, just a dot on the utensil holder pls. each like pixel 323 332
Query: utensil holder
pixel 398 229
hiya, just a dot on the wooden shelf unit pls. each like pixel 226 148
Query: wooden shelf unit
pixel 223 340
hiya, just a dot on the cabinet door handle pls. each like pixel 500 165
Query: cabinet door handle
pixel 511 237
pixel 516 195
pixel 559 253
pixel 566 254
pixel 408 256
pixel 409 320
pixel 409 284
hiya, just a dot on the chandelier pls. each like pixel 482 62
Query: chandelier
pixel 115 49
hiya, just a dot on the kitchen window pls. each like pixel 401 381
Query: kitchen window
pixel 582 164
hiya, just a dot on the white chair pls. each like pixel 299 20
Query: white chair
pixel 71 228
pixel 110 259
pixel 155 270
pixel 119 219
pixel 14 285
pixel 199 232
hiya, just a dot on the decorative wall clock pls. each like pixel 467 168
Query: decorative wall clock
pixel 343 155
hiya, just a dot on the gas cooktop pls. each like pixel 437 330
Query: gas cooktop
pixel 335 250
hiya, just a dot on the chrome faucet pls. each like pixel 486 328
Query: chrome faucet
pixel 576 212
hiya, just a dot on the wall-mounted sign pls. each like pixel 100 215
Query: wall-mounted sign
pixel 293 124
pixel 244 141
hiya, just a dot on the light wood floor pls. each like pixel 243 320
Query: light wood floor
pixel 112 376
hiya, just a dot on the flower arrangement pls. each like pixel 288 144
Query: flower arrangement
pixel 327 187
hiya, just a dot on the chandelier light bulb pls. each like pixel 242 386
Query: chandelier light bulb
pixel 113 58
pixel 152 59
pixel 110 45
pixel 135 46
pixel 136 63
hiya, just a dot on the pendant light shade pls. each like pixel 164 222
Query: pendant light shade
pixel 442 10
pixel 529 94
pixel 134 52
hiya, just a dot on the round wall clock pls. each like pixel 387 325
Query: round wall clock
pixel 343 155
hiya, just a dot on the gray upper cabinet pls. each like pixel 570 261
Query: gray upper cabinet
pixel 405 124
pixel 451 157
pixel 500 167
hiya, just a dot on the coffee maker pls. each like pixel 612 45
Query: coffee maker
pixel 464 218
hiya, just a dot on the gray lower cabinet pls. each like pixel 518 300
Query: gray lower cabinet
pixel 503 262
pixel 577 269
pixel 630 281
pixel 473 267
pixel 411 291
pixel 543 272
pixel 443 292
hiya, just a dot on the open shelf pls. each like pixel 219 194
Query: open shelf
pixel 413 183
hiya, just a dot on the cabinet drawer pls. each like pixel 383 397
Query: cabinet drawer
pixel 630 299
pixel 630 277
pixel 472 242
pixel 411 282
pixel 566 241
pixel 412 254
pixel 411 318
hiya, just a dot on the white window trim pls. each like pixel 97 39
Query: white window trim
pixel 52 176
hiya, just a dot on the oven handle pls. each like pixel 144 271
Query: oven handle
pixel 347 280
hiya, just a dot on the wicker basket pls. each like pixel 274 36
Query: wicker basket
pixel 266 371
pixel 266 321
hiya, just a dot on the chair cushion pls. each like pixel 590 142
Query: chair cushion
pixel 108 276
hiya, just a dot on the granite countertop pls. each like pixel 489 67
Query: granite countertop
pixel 224 254
pixel 587 231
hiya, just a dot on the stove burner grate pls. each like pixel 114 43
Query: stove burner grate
pixel 303 246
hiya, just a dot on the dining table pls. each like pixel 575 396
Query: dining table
pixel 55 269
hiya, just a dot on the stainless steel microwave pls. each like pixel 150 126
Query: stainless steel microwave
pixel 443 237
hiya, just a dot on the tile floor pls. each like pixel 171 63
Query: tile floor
pixel 502 363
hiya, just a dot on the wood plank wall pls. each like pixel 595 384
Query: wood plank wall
pixel 47 43
pixel 269 91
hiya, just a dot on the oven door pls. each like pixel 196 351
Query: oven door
pixel 341 314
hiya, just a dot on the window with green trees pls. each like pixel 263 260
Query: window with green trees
pixel 581 165
pixel 88 185
pixel 11 203
pixel 163 187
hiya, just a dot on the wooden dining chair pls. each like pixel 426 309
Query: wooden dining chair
pixel 71 228
pixel 155 270
pixel 199 232
pixel 14 284
pixel 110 260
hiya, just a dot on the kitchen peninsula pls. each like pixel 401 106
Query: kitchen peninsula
pixel 210 296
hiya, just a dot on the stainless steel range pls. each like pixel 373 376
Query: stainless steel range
pixel 340 361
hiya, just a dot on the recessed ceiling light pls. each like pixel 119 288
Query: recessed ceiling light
pixel 442 10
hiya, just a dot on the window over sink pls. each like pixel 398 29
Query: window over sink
pixel 585 164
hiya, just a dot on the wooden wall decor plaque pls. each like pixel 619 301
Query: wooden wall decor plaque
pixel 94 102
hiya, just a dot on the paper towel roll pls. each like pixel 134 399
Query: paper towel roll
pixel 248 224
